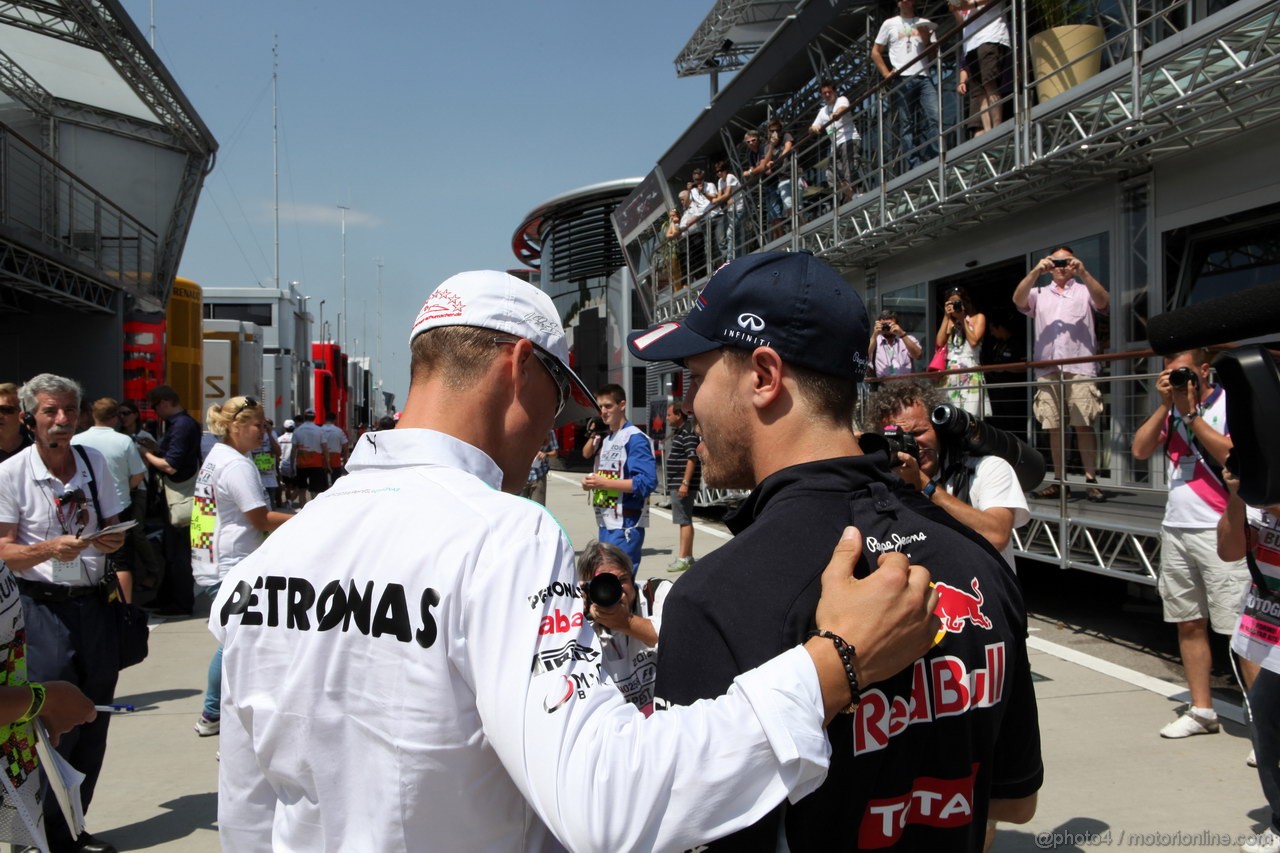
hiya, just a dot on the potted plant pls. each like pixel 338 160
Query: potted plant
pixel 1066 50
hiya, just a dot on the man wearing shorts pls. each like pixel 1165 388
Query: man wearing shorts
pixel 1199 590
pixel 1063 314
pixel 684 479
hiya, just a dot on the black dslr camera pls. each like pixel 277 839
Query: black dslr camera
pixel 892 440
pixel 597 426
pixel 1183 377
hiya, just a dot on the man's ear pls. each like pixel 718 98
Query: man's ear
pixel 765 368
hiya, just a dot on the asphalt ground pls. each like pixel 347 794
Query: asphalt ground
pixel 1107 680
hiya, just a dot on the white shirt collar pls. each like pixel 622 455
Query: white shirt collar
pixel 40 472
pixel 404 447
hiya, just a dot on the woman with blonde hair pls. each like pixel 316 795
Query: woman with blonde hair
pixel 229 519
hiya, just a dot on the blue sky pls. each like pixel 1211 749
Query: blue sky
pixel 440 125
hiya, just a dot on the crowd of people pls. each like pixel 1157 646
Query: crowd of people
pixel 773 670
pixel 86 489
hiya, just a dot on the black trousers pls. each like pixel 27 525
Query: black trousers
pixel 177 587
pixel 75 640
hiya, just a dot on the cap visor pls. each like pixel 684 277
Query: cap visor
pixel 672 341
pixel 581 403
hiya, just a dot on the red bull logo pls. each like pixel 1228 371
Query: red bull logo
pixel 955 607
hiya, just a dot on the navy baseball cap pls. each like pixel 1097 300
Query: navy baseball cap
pixel 790 301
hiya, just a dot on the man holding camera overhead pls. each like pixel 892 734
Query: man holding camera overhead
pixel 1198 589
pixel 1063 314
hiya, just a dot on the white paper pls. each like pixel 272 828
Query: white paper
pixel 64 781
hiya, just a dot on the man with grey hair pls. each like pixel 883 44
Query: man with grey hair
pixel 53 500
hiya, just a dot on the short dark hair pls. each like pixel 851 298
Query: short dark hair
pixel 888 314
pixel 613 392
pixel 832 396
pixel 898 394
pixel 1199 355
pixel 163 394
pixel 1063 249
pixel 826 83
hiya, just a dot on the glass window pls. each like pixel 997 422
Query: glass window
pixel 248 312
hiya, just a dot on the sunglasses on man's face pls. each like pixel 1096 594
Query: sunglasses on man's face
pixel 553 367
pixel 8 410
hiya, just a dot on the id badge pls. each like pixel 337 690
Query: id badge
pixel 1185 470
pixel 66 571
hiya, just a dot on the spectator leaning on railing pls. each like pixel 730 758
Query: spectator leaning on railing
pixel 915 94
pixel 834 120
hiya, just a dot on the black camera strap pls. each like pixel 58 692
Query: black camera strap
pixel 93 485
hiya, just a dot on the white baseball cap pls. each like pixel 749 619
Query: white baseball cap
pixel 489 299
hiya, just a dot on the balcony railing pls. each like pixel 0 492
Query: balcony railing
pixel 49 211
pixel 1149 78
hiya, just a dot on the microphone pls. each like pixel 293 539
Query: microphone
pixel 1251 313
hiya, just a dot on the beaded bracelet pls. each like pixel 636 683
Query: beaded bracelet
pixel 37 702
pixel 846 652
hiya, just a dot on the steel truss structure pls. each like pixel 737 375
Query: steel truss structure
pixel 1212 80
pixel 710 48
pixel 103 27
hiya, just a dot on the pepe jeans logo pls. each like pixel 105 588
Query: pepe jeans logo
pixel 894 542
pixel 750 322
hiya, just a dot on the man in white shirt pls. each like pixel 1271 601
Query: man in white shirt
pixel 53 499
pixel 470 712
pixel 915 93
pixel 981 492
pixel 834 120
pixel 127 471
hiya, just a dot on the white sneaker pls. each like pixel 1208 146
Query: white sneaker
pixel 1267 842
pixel 1252 760
pixel 206 727
pixel 1190 724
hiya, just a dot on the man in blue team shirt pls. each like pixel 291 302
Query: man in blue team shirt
pixel 625 473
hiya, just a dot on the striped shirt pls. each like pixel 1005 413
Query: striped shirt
pixel 684 446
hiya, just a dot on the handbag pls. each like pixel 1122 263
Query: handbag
pixel 180 495
pixel 939 360
pixel 132 633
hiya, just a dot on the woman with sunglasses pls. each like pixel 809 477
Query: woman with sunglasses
pixel 229 518
pixel 961 332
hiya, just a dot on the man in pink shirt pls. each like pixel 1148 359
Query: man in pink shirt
pixel 1063 314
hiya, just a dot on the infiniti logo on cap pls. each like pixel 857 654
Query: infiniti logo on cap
pixel 750 322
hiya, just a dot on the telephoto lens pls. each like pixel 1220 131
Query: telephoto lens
pixel 605 590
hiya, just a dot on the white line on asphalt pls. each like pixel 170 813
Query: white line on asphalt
pixel 1130 676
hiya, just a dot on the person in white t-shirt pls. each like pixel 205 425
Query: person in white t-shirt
pixel 1199 591
pixel 729 193
pixel 986 73
pixel 628 630
pixel 981 492
pixel 127 470
pixel 230 517
pixel 834 120
pixel 914 94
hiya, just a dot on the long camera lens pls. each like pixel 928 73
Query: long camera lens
pixel 970 435
pixel 605 590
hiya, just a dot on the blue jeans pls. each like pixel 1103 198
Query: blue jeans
pixel 1264 703
pixel 213 688
pixel 629 539
pixel 915 100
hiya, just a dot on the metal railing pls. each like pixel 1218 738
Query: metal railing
pixel 1162 58
pixel 51 210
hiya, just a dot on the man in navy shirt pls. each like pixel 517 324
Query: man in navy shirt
pixel 776 345
pixel 177 458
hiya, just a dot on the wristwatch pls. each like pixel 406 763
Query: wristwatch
pixel 929 489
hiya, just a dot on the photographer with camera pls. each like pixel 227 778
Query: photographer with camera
pixel 626 621
pixel 1199 589
pixel 981 492
pixel 892 349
